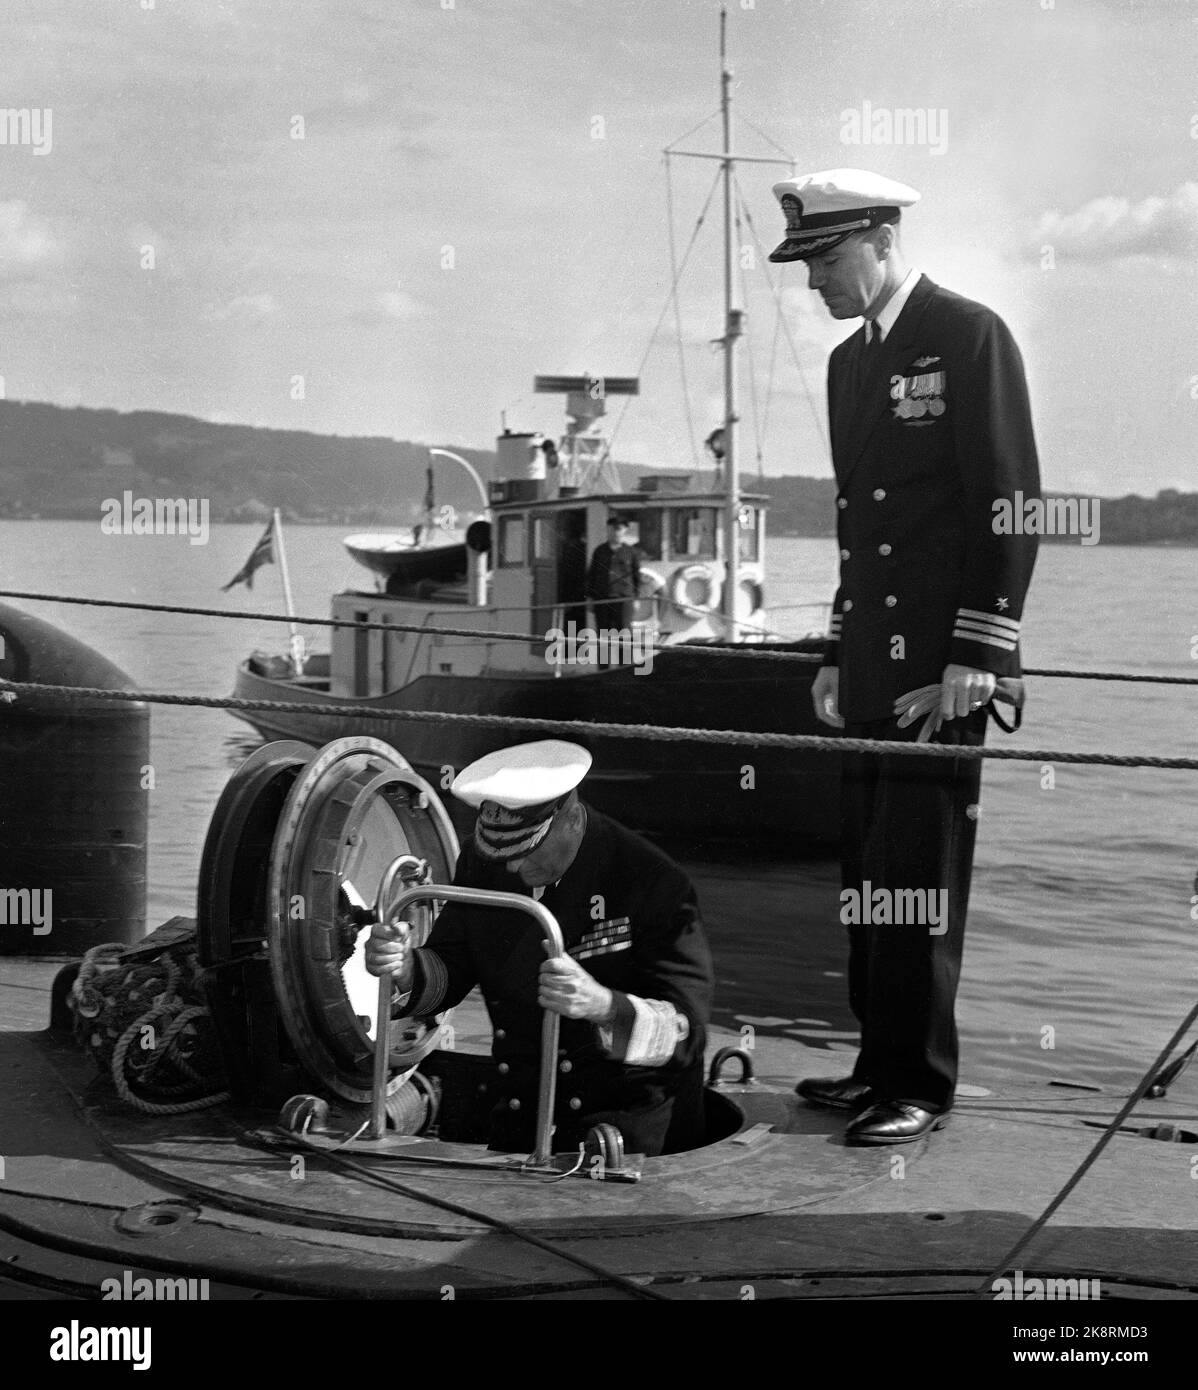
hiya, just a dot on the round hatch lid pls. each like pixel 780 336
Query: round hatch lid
pixel 231 892
pixel 352 810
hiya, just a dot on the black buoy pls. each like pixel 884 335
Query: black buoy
pixel 73 810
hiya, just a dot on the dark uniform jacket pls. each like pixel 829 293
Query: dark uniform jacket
pixel 614 572
pixel 630 917
pixel 925 440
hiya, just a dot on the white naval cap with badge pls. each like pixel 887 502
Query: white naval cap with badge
pixel 825 208
pixel 518 791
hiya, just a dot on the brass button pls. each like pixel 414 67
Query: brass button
pixel 879 494
pixel 513 1104
pixel 890 600
pixel 566 1066
pixel 504 1069
pixel 500 1034
pixel 846 606
pixel 842 502
pixel 575 1103
pixel 883 550
pixel 844 554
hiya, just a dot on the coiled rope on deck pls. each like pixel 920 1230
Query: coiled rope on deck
pixel 756 650
pixel 144 1023
pixel 656 733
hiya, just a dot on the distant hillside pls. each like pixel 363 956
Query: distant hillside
pixel 59 462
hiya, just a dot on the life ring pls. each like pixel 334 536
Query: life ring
pixel 644 606
pixel 682 579
pixel 751 593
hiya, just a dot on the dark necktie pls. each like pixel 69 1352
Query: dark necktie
pixel 871 355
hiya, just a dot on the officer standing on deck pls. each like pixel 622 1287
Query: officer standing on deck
pixel 930 428
pixel 613 577
pixel 633 990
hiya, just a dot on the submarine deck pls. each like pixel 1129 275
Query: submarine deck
pixel 780 1210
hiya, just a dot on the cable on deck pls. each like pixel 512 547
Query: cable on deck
pixel 986 1289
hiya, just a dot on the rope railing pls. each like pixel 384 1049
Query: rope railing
pixel 760 652
pixel 477 633
pixel 656 733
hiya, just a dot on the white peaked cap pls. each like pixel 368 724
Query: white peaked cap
pixel 518 791
pixel 530 774
pixel 824 208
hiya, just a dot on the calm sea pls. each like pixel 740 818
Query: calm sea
pixel 1080 919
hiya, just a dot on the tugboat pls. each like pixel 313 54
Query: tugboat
pixel 703 577
pixel 522 572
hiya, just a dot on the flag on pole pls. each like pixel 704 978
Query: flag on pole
pixel 262 554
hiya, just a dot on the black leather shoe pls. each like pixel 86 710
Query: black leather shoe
pixel 894 1122
pixel 835 1093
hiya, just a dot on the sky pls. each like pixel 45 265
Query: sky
pixel 384 217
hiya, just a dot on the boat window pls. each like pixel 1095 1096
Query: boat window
pixel 511 542
pixel 648 527
pixel 746 530
pixel 544 538
pixel 692 533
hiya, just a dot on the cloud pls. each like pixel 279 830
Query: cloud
pixel 39 299
pixel 242 306
pixel 1112 228
pixel 395 304
pixel 26 246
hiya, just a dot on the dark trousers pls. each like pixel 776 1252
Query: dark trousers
pixel 612 612
pixel 614 615
pixel 909 823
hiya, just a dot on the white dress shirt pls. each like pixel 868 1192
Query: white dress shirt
pixel 893 307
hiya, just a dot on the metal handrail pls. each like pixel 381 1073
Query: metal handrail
pixel 550 1025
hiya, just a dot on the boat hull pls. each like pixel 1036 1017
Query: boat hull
pixel 691 789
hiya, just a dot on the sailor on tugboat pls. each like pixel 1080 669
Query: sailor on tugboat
pixel 931 430
pixel 633 991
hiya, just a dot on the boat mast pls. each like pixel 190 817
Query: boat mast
pixel 733 320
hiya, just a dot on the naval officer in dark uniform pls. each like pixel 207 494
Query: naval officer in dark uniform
pixel 614 577
pixel 633 991
pixel 930 429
